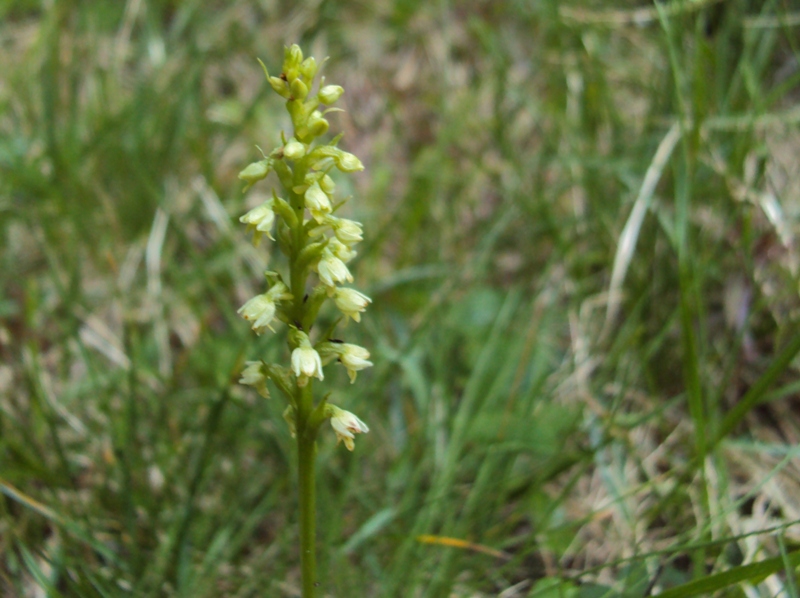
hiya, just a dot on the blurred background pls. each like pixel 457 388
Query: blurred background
pixel 581 226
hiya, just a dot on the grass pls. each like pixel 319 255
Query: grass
pixel 580 243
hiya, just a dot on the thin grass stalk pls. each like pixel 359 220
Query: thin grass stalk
pixel 688 306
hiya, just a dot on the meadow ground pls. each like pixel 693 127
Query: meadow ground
pixel 582 248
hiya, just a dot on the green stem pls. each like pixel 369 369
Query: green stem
pixel 304 404
pixel 306 454
pixel 299 241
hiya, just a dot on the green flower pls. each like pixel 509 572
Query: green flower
pixel 317 202
pixel 329 94
pixel 344 161
pixel 294 150
pixel 255 172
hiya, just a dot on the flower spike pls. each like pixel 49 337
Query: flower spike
pixel 318 243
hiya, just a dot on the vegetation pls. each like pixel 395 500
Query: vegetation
pixel 581 246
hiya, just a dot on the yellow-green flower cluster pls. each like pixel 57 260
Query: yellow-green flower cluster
pixel 317 243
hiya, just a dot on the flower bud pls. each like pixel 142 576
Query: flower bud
pixel 292 60
pixel 349 163
pixel 255 171
pixel 294 150
pixel 291 74
pixel 344 161
pixel 308 69
pixel 299 89
pixel 330 93
pixel 280 87
pixel 317 125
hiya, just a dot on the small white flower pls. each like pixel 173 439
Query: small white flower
pixel 340 250
pixel 347 231
pixel 354 358
pixel 253 375
pixel 346 425
pixel 350 302
pixel 260 310
pixel 306 362
pixel 259 220
pixel 317 202
pixel 332 270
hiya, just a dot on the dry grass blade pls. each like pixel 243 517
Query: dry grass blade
pixel 639 16
pixel 630 233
